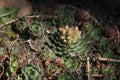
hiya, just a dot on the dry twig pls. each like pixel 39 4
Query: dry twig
pixel 88 68
pixel 9 22
pixel 16 19
pixel 108 59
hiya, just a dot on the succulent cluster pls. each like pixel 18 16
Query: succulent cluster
pixel 69 41
pixel 35 30
pixel 31 72
pixel 24 27
pixel 20 25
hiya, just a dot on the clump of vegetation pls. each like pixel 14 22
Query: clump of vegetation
pixel 58 47
pixel 31 72
pixel 64 17
pixel 36 30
